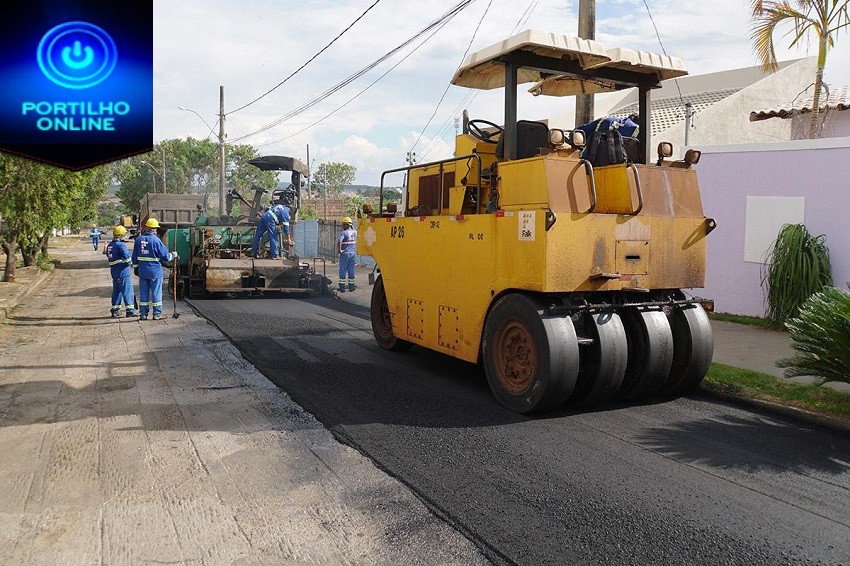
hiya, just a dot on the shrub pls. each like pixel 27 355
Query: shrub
pixel 821 337
pixel 797 266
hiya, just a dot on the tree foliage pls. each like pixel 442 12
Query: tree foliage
pixel 823 18
pixel 188 166
pixel 36 198
pixel 333 177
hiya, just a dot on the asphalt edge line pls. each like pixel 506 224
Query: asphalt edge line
pixel 800 415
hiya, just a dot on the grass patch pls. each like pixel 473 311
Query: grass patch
pixel 748 320
pixel 756 385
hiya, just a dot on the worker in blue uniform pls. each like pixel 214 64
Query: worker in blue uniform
pixel 119 265
pixel 347 250
pixel 148 252
pixel 94 234
pixel 274 215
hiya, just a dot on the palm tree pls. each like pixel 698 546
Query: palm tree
pixel 824 17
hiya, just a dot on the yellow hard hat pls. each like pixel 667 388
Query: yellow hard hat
pixel 119 231
pixel 151 223
pixel 346 220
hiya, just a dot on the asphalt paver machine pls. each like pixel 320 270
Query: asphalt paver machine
pixel 566 277
pixel 218 259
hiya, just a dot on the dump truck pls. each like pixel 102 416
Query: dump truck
pixel 566 277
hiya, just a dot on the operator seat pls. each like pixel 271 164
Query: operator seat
pixel 531 136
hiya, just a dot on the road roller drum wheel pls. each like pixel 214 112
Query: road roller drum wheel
pixel 603 361
pixel 693 348
pixel 651 351
pixel 382 327
pixel 531 361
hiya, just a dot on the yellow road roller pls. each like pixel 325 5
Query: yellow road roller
pixel 555 258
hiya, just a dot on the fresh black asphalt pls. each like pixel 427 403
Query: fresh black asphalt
pixel 684 481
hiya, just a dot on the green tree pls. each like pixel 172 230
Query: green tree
pixel 824 18
pixel 36 198
pixel 189 166
pixel 333 177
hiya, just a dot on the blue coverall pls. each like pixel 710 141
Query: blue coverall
pixel 277 214
pixel 148 251
pixel 95 237
pixel 122 285
pixel 347 250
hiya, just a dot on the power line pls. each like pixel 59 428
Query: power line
pixel 370 85
pixel 455 10
pixel 449 84
pixel 658 35
pixel 471 95
pixel 322 50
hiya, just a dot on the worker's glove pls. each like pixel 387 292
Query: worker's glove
pixel 136 271
pixel 174 255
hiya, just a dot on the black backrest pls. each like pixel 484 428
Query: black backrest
pixel 531 136
pixel 606 148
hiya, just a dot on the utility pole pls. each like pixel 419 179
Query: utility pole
pixel 586 30
pixel 689 113
pixel 309 171
pixel 221 151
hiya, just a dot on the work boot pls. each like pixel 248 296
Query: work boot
pixel 143 317
pixel 131 314
pixel 341 289
pixel 352 288
pixel 157 317
pixel 114 314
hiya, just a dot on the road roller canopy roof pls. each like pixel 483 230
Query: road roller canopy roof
pixel 562 65
pixel 279 163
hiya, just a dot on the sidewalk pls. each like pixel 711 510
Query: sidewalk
pixel 128 442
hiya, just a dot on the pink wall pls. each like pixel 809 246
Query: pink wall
pixel 818 170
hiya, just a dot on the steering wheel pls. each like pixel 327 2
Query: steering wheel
pixel 478 133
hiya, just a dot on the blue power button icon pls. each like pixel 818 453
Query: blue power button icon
pixel 77 55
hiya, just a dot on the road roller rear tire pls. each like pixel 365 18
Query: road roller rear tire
pixel 382 327
pixel 693 348
pixel 651 351
pixel 603 362
pixel 531 361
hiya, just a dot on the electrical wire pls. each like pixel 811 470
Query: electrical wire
pixel 310 60
pixel 451 13
pixel 471 95
pixel 658 35
pixel 350 100
pixel 449 84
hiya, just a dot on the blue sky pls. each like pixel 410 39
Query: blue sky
pixel 252 45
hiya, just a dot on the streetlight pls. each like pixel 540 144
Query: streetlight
pixel 196 114
pixel 221 147
pixel 155 170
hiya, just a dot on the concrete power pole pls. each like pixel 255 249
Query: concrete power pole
pixel 587 30
pixel 221 155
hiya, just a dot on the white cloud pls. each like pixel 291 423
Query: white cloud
pixel 249 47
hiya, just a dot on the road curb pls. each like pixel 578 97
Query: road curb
pixel 25 291
pixel 801 415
